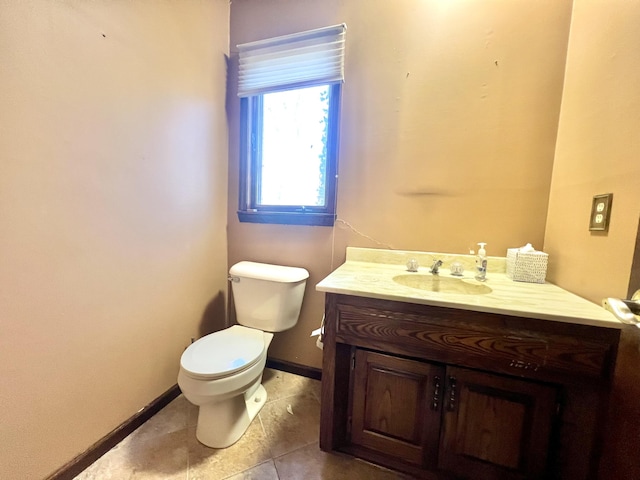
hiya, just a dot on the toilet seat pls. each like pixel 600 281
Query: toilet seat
pixel 223 353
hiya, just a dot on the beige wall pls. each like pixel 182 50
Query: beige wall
pixel 113 190
pixel 449 121
pixel 598 151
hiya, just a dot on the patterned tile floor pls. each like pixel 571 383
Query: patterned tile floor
pixel 280 444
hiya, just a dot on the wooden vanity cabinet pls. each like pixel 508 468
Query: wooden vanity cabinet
pixel 444 393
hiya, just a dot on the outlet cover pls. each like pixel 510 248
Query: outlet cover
pixel 600 212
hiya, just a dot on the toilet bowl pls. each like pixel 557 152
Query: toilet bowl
pixel 221 372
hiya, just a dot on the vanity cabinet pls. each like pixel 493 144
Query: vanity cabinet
pixel 444 393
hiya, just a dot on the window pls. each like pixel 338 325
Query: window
pixel 290 101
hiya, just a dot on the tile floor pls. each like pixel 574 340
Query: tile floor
pixel 280 444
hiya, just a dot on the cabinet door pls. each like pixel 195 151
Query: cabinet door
pixel 495 427
pixel 396 406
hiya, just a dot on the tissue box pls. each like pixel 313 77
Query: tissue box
pixel 528 267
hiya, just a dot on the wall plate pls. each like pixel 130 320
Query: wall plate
pixel 600 212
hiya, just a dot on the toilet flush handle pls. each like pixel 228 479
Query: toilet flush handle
pixel 233 279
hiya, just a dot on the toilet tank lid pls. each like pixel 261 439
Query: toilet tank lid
pixel 265 271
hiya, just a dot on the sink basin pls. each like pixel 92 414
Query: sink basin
pixel 435 283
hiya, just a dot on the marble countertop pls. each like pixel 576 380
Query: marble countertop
pixel 370 272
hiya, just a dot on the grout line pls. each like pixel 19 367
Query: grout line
pixel 295 450
pixel 264 431
pixel 266 437
pixel 275 467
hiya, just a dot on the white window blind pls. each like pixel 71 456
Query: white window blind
pixel 302 59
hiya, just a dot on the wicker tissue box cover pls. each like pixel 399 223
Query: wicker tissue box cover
pixel 528 267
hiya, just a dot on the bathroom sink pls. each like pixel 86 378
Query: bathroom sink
pixel 435 283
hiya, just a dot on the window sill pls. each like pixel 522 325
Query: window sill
pixel 288 218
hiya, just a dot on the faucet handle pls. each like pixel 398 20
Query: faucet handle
pixel 412 265
pixel 457 269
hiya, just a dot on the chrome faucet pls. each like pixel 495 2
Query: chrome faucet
pixel 435 267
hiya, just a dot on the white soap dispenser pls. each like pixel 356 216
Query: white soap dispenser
pixel 481 263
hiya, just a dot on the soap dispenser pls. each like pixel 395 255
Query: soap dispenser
pixel 481 263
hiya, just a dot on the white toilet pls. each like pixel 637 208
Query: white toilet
pixel 222 371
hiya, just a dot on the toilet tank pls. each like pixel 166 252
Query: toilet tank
pixel 267 297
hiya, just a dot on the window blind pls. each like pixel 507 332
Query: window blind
pixel 302 59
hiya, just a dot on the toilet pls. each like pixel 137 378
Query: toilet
pixel 222 372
